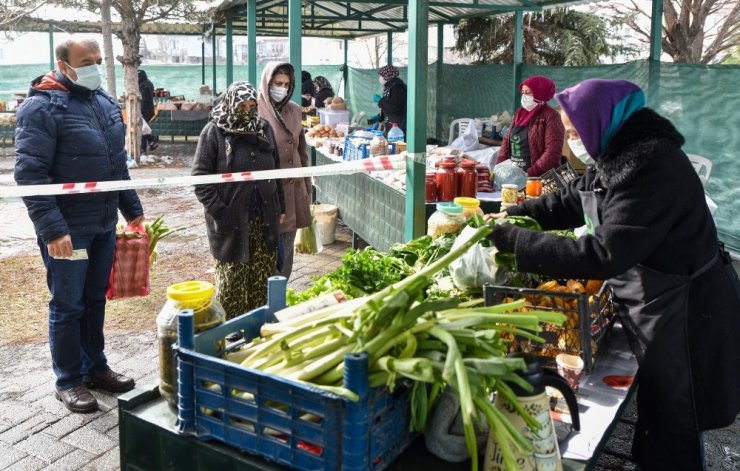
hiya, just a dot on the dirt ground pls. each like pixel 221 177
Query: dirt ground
pixel 182 256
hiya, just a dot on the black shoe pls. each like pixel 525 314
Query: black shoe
pixel 110 381
pixel 77 399
pixel 152 147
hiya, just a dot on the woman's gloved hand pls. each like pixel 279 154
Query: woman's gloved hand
pixel 376 98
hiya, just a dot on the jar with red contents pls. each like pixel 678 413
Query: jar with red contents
pixel 446 180
pixel 467 178
pixel 430 188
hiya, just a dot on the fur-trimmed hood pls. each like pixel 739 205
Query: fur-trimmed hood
pixel 633 146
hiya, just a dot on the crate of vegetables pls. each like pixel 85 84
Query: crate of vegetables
pixel 588 308
pixel 292 423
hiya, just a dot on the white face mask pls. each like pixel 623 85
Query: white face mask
pixel 381 80
pixel 87 76
pixel 278 94
pixel 579 150
pixel 528 102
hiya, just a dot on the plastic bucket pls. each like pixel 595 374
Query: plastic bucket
pixel 326 221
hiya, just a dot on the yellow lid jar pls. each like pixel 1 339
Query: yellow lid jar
pixel 471 206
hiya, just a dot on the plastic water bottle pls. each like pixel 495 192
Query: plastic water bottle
pixel 395 134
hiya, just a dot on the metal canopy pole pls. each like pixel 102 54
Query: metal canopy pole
pixel 416 112
pixel 229 51
pixel 294 35
pixel 656 47
pixel 389 48
pixel 518 49
pixel 440 62
pixel 52 56
pixel 345 70
pixel 203 59
pixel 214 54
pixel 252 41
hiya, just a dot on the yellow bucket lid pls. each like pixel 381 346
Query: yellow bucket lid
pixel 466 201
pixel 190 290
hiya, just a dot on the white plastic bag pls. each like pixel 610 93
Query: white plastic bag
pixel 468 140
pixel 145 129
pixel 508 172
pixel 476 267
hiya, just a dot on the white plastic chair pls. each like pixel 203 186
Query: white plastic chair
pixel 462 125
pixel 703 167
pixel 357 118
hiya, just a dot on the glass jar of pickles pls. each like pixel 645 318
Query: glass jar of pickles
pixel 470 206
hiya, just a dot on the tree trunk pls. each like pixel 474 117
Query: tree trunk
pixel 131 39
pixel 110 65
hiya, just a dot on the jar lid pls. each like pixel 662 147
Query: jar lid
pixel 510 186
pixel 468 163
pixel 190 290
pixel 467 201
pixel 534 178
pixel 448 164
pixel 451 208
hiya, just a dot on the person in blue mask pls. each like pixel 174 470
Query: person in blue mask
pixel 71 130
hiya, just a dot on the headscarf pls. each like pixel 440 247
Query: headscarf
pixel 388 72
pixel 543 89
pixel 305 76
pixel 598 108
pixel 322 83
pixel 231 118
pixel 272 69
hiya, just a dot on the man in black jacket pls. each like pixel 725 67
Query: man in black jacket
pixel 70 130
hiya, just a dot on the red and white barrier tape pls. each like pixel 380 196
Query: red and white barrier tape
pixel 343 168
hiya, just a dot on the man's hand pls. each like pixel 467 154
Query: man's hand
pixel 281 219
pixel 61 247
pixel 489 216
pixel 137 220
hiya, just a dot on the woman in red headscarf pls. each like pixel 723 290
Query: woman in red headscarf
pixel 535 139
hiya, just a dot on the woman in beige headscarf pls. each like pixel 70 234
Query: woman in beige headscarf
pixel 284 116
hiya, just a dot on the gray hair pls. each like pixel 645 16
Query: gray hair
pixel 62 50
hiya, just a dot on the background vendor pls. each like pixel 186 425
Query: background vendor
pixel 322 91
pixel 535 139
pixel 392 103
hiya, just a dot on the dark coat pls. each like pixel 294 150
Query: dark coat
pixel 65 134
pixel 393 103
pixel 653 213
pixel 545 133
pixel 322 95
pixel 307 88
pixel 146 88
pixel 228 205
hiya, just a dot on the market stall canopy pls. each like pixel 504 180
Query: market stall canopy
pixel 360 18
pixel 42 25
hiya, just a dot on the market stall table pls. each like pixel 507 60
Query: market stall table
pixel 149 438
pixel 371 208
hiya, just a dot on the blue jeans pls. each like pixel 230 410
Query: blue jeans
pixel 77 308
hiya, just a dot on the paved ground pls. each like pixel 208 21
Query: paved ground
pixel 38 432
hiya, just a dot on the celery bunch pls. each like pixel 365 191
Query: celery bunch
pixel 432 343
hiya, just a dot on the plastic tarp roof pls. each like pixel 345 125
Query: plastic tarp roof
pixel 366 17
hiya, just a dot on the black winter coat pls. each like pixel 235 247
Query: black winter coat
pixel 393 103
pixel 146 88
pixel 652 212
pixel 321 96
pixel 67 134
pixel 228 205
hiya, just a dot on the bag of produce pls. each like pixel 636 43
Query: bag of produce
pixel 307 239
pixel 476 266
pixel 129 275
pixel 508 173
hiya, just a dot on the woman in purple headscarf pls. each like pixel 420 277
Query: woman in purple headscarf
pixel 650 233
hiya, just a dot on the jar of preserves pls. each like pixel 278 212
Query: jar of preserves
pixel 207 313
pixel 446 180
pixel 470 206
pixel 467 178
pixel 534 187
pixel 509 193
pixel 430 188
pixel 448 218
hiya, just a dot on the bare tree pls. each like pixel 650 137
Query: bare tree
pixel 377 48
pixel 12 11
pixel 110 66
pixel 694 31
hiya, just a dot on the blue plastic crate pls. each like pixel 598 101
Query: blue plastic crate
pixel 289 422
pixel 353 152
